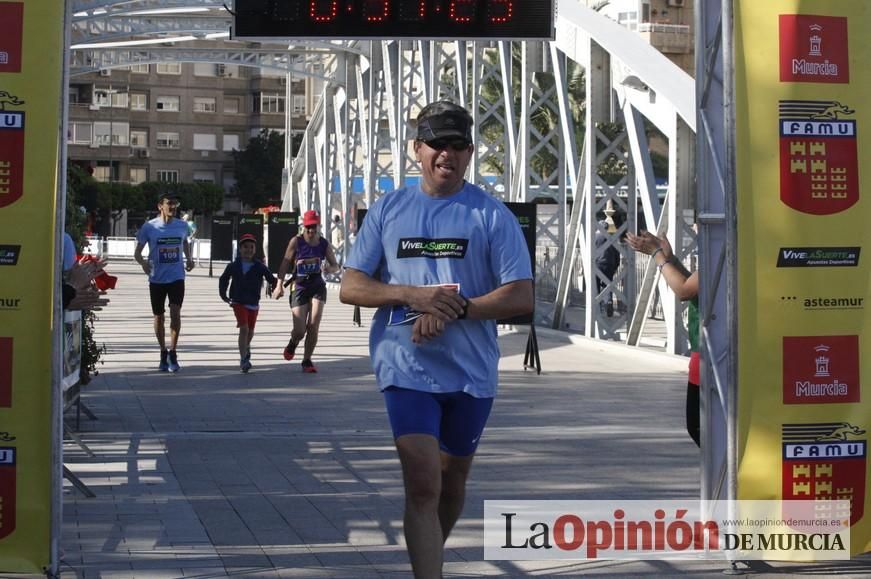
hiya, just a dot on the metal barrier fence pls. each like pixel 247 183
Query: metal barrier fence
pixel 125 247
pixel 546 265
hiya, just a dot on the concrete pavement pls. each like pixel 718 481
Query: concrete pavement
pixel 212 473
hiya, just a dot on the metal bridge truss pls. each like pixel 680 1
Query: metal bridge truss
pixel 717 217
pixel 532 127
pixel 547 116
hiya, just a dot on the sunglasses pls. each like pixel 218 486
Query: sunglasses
pixel 455 144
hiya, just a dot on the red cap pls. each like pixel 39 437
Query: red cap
pixel 311 217
pixel 247 237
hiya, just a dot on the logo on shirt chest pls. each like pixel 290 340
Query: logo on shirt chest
pixel 432 248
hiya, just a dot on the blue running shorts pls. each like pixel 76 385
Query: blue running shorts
pixel 455 419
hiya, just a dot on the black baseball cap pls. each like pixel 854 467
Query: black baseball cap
pixel 445 125
pixel 169 196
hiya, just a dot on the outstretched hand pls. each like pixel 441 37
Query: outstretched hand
pixel 83 272
pixel 646 242
pixel 88 298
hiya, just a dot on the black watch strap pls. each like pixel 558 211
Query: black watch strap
pixel 465 311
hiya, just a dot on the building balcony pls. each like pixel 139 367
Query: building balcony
pixel 668 38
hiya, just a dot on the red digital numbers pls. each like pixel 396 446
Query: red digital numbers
pixel 462 10
pixel 323 10
pixel 499 11
pixel 376 10
pixel 412 10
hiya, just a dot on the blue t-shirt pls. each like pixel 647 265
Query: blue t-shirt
pixel 165 242
pixel 69 252
pixel 470 239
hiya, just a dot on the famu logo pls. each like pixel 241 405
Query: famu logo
pixel 11 149
pixel 825 462
pixel 818 257
pixel 819 167
pixel 432 248
pixel 7 486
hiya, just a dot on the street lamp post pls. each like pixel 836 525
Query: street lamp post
pixel 109 94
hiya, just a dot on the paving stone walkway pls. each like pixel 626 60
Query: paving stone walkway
pixel 212 473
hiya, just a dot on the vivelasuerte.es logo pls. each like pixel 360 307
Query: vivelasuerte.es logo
pixel 9 254
pixel 818 257
pixel 432 248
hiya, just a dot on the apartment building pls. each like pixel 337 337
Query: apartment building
pixel 666 24
pixel 177 122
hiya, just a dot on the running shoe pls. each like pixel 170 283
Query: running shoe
pixel 164 361
pixel 245 364
pixel 173 361
pixel 290 350
pixel 308 367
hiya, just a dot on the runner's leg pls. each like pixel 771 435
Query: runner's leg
pixel 312 328
pixel 421 470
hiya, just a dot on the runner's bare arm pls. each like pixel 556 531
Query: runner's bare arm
pixel 512 299
pixel 137 255
pixel 189 256
pixel 360 289
pixel 332 263
pixel 289 255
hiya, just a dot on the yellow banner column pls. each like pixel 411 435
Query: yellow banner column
pixel 804 179
pixel 31 58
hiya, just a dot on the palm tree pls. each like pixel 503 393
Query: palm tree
pixel 544 119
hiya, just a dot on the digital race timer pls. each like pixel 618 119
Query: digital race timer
pixel 385 19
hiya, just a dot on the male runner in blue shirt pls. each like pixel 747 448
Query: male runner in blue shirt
pixel 167 238
pixel 442 262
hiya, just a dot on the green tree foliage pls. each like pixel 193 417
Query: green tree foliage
pixel 543 120
pixel 613 167
pixel 79 183
pixel 83 192
pixel 197 197
pixel 258 169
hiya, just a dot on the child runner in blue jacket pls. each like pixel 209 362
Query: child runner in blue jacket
pixel 245 279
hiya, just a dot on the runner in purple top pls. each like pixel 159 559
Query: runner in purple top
pixel 306 252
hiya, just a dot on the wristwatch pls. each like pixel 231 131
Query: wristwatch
pixel 465 311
